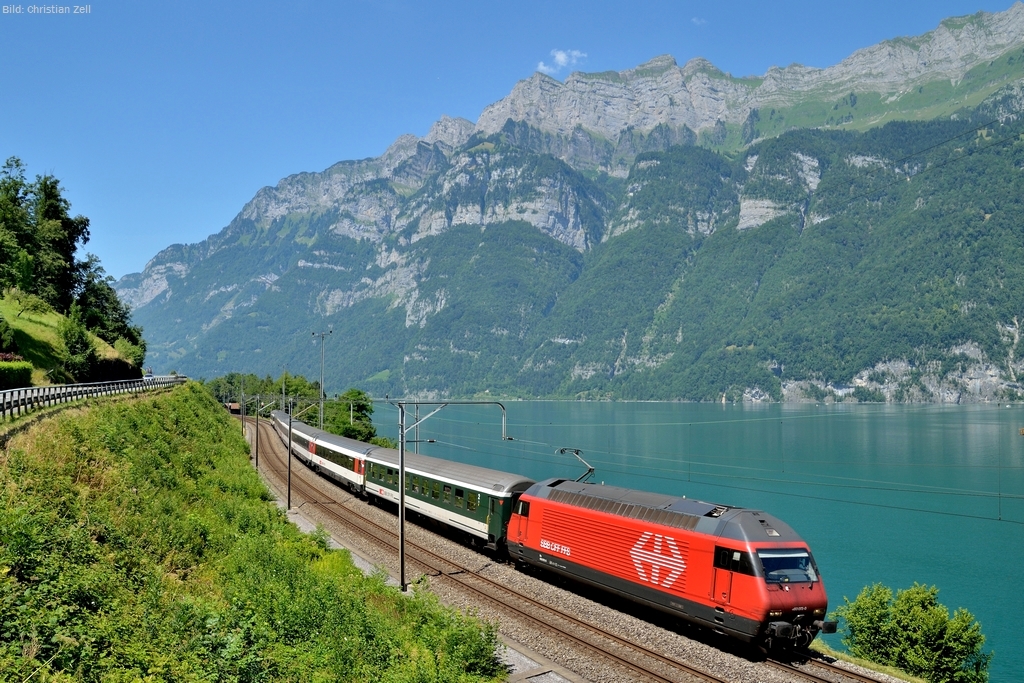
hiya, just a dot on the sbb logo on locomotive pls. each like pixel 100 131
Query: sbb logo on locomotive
pixel 648 550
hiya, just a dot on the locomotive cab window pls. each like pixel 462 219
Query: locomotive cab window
pixel 734 560
pixel 787 565
pixel 523 508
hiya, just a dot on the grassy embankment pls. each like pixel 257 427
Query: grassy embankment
pixel 40 344
pixel 137 543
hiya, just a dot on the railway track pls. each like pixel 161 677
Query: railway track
pixel 835 673
pixel 641 662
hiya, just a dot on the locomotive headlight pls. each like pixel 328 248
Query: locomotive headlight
pixel 775 613
pixel 820 612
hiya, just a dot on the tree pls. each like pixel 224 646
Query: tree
pixel 351 416
pixel 39 238
pixel 79 355
pixel 915 633
pixel 102 311
pixel 14 220
pixel 26 303
pixel 58 237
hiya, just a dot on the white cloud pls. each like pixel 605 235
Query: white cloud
pixel 697 21
pixel 561 60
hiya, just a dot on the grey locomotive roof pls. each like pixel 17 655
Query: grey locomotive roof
pixel 483 478
pixel 738 524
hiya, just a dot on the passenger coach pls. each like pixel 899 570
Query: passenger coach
pixel 476 500
pixel 337 457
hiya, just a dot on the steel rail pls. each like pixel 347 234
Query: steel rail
pixel 813 662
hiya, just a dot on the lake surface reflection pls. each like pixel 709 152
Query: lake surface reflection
pixel 890 494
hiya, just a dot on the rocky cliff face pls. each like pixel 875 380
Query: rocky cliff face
pixel 698 95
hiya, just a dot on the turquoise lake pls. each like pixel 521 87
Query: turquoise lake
pixel 889 494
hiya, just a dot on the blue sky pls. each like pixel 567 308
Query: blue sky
pixel 163 118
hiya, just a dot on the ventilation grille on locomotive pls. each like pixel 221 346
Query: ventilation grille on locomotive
pixel 671 518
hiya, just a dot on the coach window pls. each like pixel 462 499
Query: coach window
pixel 473 501
pixel 447 494
pixel 459 497
pixel 437 490
pixel 415 484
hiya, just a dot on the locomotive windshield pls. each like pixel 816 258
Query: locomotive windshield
pixel 787 566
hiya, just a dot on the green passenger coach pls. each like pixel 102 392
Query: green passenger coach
pixel 476 500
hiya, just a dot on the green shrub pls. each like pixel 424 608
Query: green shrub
pixel 133 353
pixel 15 375
pixel 79 355
pixel 915 633
pixel 7 343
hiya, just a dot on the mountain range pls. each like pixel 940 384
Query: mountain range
pixel 663 232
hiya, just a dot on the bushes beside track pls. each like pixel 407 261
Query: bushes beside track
pixel 136 542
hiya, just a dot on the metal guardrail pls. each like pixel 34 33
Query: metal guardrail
pixel 17 402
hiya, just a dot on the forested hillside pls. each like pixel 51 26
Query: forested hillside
pixel 663 232
pixel 66 301
pixel 883 265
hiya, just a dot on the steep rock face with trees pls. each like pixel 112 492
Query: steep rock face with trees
pixel 655 259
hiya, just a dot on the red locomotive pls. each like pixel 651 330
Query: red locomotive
pixel 741 572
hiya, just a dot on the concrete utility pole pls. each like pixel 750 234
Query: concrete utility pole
pixel 402 429
pixel 322 336
pixel 257 431
pixel 291 410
